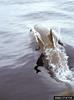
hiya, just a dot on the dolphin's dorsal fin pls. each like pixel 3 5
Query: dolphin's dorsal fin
pixel 50 36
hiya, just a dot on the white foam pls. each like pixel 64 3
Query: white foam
pixel 58 60
pixel 61 69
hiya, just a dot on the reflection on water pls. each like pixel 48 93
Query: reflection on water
pixel 17 15
pixel 15 18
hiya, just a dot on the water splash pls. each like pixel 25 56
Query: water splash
pixel 58 60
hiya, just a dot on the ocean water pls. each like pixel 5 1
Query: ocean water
pixel 16 18
pixel 16 46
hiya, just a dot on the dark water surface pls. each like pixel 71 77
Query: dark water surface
pixel 18 80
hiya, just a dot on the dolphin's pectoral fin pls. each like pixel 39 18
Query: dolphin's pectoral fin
pixel 36 69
